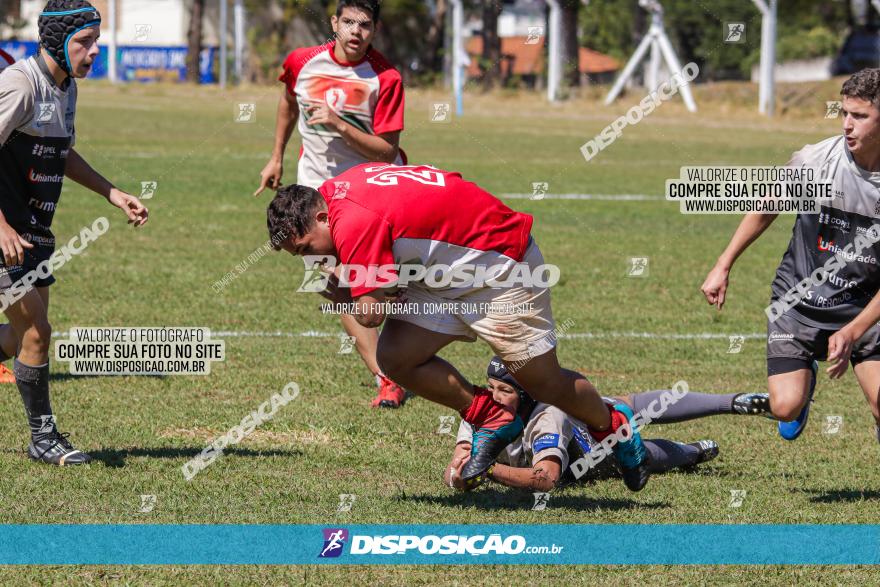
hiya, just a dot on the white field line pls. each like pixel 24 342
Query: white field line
pixel 598 197
pixel 218 334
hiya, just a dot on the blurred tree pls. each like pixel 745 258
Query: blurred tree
pixel 490 60
pixel 194 40
pixel 570 44
pixel 10 16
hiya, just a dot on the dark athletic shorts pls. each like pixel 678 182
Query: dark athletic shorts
pixel 10 275
pixel 792 345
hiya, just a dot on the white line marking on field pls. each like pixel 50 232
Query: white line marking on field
pixel 601 197
pixel 597 335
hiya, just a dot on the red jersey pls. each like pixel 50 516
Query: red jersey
pixel 368 94
pixel 383 214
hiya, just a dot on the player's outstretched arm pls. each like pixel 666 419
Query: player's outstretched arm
pixel 285 121
pixel 751 227
pixel 543 476
pixel 82 173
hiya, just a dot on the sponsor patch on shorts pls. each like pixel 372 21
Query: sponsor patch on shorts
pixel 544 442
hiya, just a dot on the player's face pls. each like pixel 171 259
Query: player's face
pixel 317 241
pixel 82 51
pixel 861 125
pixel 354 30
pixel 504 394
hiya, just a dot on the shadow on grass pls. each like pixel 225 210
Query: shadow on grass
pixel 116 457
pixel 842 495
pixel 492 499
pixel 62 377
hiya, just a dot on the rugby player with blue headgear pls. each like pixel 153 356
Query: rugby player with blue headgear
pixel 37 135
pixel 542 456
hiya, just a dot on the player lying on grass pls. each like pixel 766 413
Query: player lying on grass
pixel 37 111
pixel 833 316
pixel 378 216
pixel 347 101
pixel 539 459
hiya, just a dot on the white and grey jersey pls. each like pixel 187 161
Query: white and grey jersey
pixel 816 238
pixel 548 432
pixel 36 134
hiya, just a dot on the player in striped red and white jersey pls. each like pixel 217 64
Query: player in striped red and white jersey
pixel 347 102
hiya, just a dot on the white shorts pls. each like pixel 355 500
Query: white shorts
pixel 516 336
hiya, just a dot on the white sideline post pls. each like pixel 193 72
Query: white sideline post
pixel 238 17
pixel 112 71
pixel 458 56
pixel 224 18
pixel 554 50
pixel 767 87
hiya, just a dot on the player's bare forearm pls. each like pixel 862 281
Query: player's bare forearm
pixel 369 310
pixel 285 121
pixel 866 319
pixel 748 231
pixel 82 173
pixel 371 147
pixel 541 477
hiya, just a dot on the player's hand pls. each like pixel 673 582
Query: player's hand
pixel 270 177
pixel 840 347
pixel 321 113
pixel 453 474
pixel 715 286
pixel 137 213
pixel 12 245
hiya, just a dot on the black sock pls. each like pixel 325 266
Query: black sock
pixel 667 455
pixel 3 356
pixel 33 385
pixel 693 405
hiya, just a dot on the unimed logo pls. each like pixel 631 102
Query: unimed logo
pixel 334 541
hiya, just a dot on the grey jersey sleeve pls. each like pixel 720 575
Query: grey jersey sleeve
pixel 16 103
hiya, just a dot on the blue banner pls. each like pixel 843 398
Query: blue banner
pixel 136 63
pixel 135 544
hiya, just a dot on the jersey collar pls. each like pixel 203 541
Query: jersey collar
pixel 332 49
pixel 41 63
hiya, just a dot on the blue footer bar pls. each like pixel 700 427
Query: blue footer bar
pixel 136 544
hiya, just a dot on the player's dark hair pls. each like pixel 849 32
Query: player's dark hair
pixel 864 84
pixel 292 212
pixel 372 6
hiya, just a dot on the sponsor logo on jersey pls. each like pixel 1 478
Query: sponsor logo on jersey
pixel 36 177
pixel 840 224
pixel 775 336
pixel 44 151
pixel 41 205
pixel 544 442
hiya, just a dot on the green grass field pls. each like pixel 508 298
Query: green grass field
pixel 204 222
